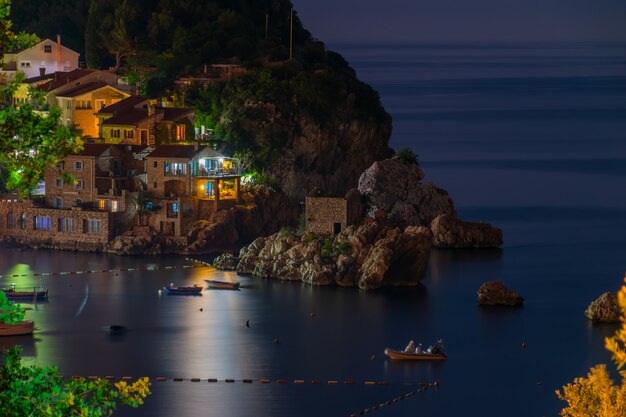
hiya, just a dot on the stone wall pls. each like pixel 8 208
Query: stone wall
pixel 155 168
pixel 70 192
pixel 18 222
pixel 324 213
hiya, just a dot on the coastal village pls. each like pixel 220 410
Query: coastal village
pixel 143 159
pixel 149 180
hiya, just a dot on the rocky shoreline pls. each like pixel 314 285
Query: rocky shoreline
pixel 368 257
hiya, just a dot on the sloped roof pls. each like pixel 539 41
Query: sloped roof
pixel 61 79
pixel 127 117
pixel 123 104
pixel 173 114
pixel 83 89
pixel 93 149
pixel 176 151
pixel 39 78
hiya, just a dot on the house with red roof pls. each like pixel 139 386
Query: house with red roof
pixel 137 120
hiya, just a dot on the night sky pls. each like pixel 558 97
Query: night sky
pixel 463 20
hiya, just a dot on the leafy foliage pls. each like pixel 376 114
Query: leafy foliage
pixel 407 156
pixel 10 313
pixel 9 41
pixel 40 391
pixel 29 141
pixel 597 394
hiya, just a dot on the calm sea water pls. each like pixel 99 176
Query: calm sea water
pixel 529 137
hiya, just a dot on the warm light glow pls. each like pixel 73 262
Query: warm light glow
pixel 202 187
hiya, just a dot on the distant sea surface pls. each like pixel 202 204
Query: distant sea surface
pixel 529 137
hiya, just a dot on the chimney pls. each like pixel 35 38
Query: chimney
pixel 58 52
pixel 42 71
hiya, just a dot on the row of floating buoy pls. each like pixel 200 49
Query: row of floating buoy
pixel 422 387
pixel 94 271
pixel 263 381
pixel 198 261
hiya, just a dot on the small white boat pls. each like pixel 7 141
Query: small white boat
pixel 433 353
pixel 21 328
pixel 222 285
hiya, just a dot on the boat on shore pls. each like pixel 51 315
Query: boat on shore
pixel 18 329
pixel 25 294
pixel 222 285
pixel 433 353
pixel 172 290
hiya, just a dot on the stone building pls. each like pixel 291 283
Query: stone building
pixel 331 215
pixel 104 175
pixel 188 182
pixel 65 228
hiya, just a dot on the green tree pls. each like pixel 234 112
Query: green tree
pixel 10 313
pixel 598 395
pixel 29 141
pixel 118 40
pixel 39 391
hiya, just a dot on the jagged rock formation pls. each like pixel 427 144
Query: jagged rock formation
pixel 450 232
pixel 136 241
pixel 395 188
pixel 604 309
pixel 263 211
pixel 369 256
pixel 493 293
pixel 226 262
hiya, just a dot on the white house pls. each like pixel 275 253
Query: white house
pixel 44 58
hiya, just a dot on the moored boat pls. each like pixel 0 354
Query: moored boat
pixel 172 290
pixel 25 294
pixel 433 353
pixel 21 328
pixel 222 285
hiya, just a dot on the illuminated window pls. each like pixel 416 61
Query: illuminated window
pixel 47 49
pixel 180 132
pixel 42 223
pixel 91 226
pixel 102 204
pixel 175 168
pixel 115 206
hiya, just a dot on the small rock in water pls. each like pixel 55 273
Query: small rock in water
pixel 495 293
pixel 523 345
pixel 277 341
pixel 604 309
pixel 247 323
pixel 373 357
pixel 201 309
pixel 312 314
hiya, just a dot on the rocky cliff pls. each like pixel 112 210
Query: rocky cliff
pixel 395 187
pixel 263 211
pixel 332 160
pixel 369 256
